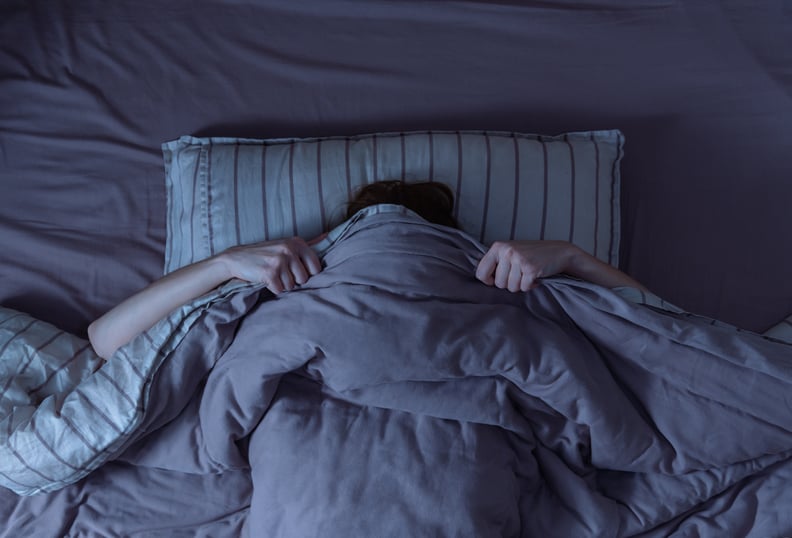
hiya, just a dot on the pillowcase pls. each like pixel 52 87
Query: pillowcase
pixel 228 191
pixel 40 369
pixel 39 360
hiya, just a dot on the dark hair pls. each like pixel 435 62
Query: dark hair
pixel 432 200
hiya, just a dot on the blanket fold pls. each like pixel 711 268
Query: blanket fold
pixel 394 394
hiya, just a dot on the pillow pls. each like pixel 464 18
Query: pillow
pixel 40 368
pixel 39 360
pixel 64 411
pixel 228 191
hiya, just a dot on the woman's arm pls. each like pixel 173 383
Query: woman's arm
pixel 279 264
pixel 517 265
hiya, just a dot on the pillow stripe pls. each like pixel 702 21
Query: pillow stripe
pixel 9 431
pixel 51 449
pixel 431 157
pixel 135 370
pixel 69 424
pixel 375 167
pixel 29 359
pixel 170 222
pixel 9 479
pixel 572 197
pixel 98 411
pixel 236 194
pixel 118 388
pixel 9 318
pixel 544 190
pixel 292 190
pixel 14 336
pixel 348 169
pixel 59 369
pixel 192 212
pixel 558 188
pixel 613 194
pixel 322 215
pixel 149 339
pixel 596 193
pixel 264 190
pixel 460 162
pixel 27 465
pixel 487 183
pixel 403 157
pixel 209 185
pixel 516 186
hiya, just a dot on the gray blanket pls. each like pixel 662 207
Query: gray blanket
pixel 395 395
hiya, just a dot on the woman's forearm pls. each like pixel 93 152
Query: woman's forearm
pixel 281 265
pixel 586 267
pixel 141 311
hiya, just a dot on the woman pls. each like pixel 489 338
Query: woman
pixel 286 263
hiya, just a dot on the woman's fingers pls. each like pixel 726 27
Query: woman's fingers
pixel 486 267
pixel 311 262
pixel 304 263
pixel 517 265
pixel 287 280
pixel 502 272
pixel 297 270
pixel 281 265
pixel 274 284
pixel 297 264
pixel 515 278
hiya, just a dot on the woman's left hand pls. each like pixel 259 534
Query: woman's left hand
pixel 517 265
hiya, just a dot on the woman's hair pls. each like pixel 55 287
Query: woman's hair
pixel 432 200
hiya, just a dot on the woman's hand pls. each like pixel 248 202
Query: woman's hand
pixel 281 264
pixel 516 265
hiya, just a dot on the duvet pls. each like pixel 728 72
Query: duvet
pixel 395 395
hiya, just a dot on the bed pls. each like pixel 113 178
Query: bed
pixel 90 91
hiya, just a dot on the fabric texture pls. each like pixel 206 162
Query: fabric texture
pixel 63 410
pixel 226 191
pixel 395 394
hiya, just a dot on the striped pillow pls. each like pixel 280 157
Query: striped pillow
pixel 40 366
pixel 228 191
pixel 39 360
pixel 64 411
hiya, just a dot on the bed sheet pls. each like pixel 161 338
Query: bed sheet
pixel 702 90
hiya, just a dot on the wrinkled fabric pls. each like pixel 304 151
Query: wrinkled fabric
pixel 575 412
pixel 395 395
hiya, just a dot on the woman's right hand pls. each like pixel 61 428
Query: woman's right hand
pixel 280 264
